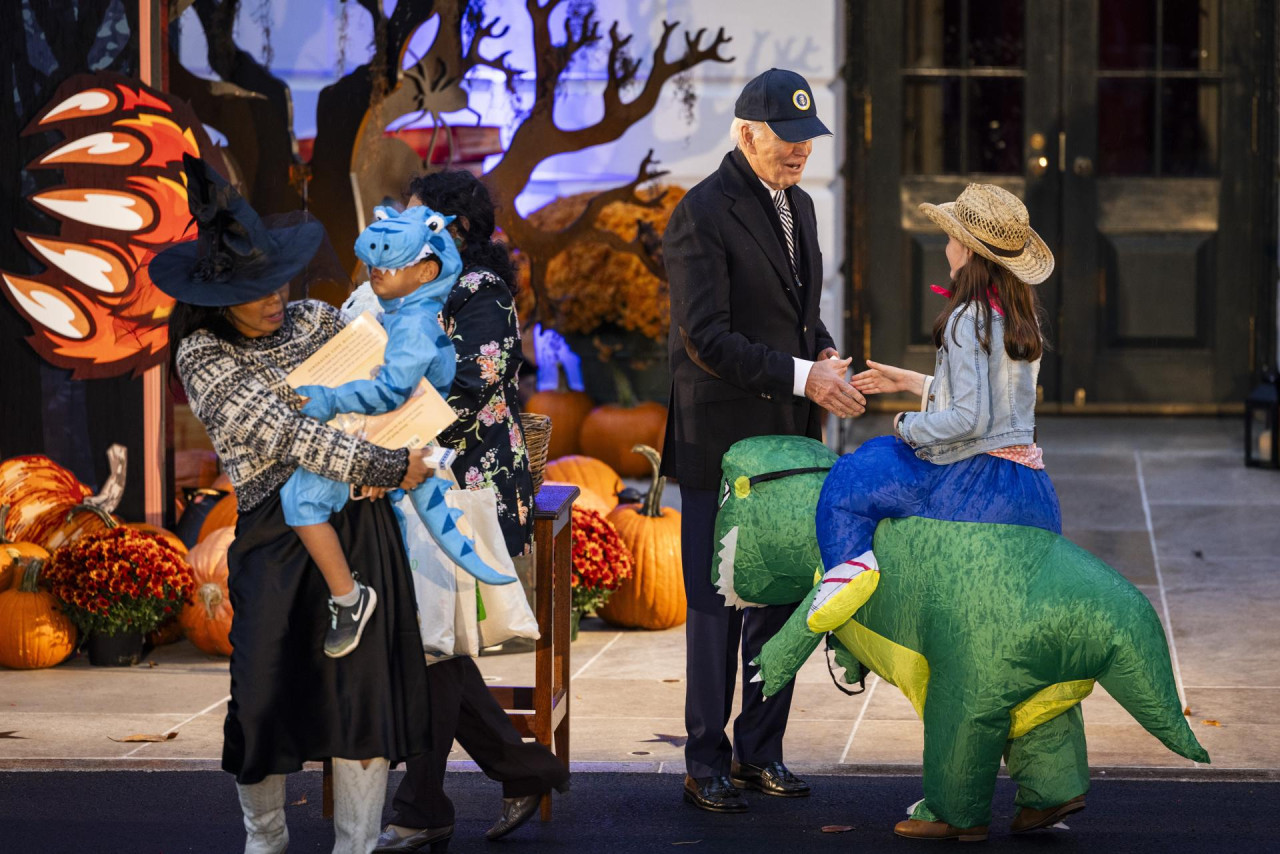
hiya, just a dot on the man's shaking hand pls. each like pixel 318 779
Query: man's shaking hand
pixel 827 386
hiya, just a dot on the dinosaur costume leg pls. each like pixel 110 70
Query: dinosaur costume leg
pixel 441 521
pixel 1050 763
pixel 963 743
pixel 783 654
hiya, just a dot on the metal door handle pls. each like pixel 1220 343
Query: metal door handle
pixel 1082 166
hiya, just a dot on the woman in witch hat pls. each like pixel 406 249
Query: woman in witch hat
pixel 234 338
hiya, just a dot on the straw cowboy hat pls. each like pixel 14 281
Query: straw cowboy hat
pixel 993 223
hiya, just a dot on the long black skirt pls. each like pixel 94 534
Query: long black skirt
pixel 289 702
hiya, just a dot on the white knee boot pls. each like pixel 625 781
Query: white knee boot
pixel 263 808
pixel 358 796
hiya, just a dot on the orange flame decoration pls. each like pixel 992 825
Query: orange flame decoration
pixel 94 309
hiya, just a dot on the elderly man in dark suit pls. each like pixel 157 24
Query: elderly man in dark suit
pixel 749 356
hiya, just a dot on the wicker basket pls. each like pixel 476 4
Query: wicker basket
pixel 537 438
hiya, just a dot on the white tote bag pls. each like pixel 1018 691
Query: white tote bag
pixel 446 594
pixel 506 608
pixel 435 584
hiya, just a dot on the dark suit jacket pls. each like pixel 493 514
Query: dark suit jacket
pixel 737 319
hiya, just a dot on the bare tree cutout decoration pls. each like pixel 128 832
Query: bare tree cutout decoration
pixel 539 137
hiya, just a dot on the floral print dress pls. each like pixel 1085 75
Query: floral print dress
pixel 479 316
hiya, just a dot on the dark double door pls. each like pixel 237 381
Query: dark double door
pixel 1141 135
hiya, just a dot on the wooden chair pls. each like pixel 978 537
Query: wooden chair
pixel 540 711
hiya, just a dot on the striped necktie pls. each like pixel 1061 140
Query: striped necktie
pixel 784 213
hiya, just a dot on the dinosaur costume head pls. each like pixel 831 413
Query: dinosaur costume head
pixel 769 490
pixel 396 240
pixel 990 630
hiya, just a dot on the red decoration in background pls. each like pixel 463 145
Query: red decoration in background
pixel 452 146
pixel 94 309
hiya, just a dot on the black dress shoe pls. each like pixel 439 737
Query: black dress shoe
pixel 515 812
pixel 437 838
pixel 713 794
pixel 772 779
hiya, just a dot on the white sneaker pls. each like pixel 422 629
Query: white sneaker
pixel 842 591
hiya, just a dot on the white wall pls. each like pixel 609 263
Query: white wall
pixel 803 36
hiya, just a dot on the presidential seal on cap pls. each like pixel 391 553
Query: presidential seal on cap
pixel 783 100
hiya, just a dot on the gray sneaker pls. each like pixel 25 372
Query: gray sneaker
pixel 347 624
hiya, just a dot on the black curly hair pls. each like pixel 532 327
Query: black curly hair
pixel 460 193
pixel 186 319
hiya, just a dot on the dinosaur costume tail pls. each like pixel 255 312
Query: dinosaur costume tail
pixel 441 522
pixel 1140 678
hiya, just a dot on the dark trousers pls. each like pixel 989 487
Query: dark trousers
pixel 463 708
pixel 713 634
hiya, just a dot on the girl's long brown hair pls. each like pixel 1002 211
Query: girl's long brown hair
pixel 981 281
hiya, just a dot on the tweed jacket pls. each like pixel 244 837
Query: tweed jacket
pixel 738 317
pixel 238 391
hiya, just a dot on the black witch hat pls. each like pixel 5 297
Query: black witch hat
pixel 235 257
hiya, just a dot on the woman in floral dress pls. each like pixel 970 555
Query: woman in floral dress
pixel 480 317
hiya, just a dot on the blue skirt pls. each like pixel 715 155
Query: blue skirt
pixel 884 479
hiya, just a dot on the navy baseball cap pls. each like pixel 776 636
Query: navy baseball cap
pixel 783 100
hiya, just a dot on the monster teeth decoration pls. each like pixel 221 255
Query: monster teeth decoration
pixel 120 197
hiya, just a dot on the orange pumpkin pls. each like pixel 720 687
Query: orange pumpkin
pixel 46 496
pixel 207 619
pixel 33 486
pixel 653 597
pixel 34 632
pixel 10 552
pixel 589 499
pixel 567 410
pixel 223 515
pixel 79 520
pixel 587 473
pixel 611 431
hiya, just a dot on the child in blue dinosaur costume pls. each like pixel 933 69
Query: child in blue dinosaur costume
pixel 413 264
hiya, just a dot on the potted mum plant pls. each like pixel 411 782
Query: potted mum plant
pixel 116 585
pixel 601 562
pixel 610 301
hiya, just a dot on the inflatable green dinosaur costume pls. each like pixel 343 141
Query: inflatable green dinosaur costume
pixel 995 633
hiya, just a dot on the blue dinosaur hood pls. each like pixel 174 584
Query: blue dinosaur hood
pixel 396 240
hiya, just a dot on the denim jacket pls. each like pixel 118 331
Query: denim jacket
pixel 978 401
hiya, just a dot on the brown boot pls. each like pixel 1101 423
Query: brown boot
pixel 1029 819
pixel 914 828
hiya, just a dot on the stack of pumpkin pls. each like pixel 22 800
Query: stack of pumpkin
pixel 44 507
pixel 608 433
pixel 653 597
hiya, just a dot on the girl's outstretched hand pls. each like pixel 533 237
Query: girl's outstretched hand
pixel 886 379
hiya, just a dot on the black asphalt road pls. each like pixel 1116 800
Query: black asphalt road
pixel 166 812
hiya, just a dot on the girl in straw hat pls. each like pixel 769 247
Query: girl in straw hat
pixel 969 453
